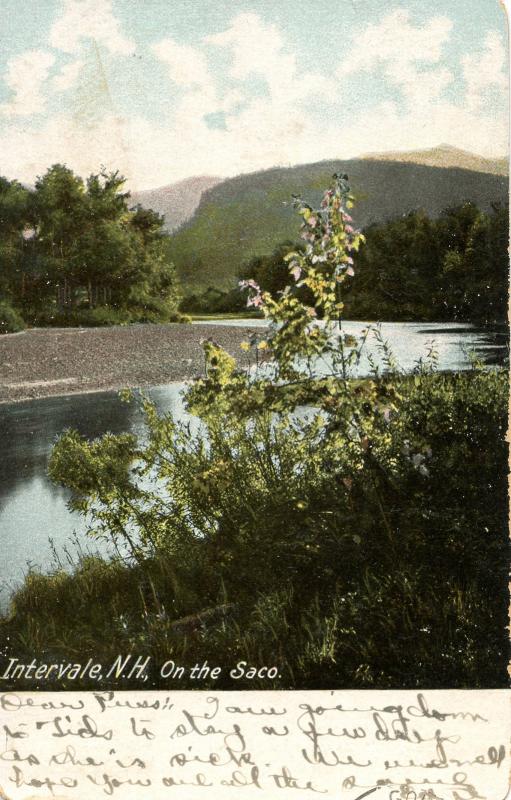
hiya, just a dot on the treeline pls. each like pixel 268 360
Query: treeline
pixel 451 268
pixel 454 268
pixel 72 251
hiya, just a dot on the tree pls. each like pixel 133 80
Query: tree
pixel 60 213
pixel 14 225
pixel 99 252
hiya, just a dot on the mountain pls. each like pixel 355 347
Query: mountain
pixel 250 214
pixel 446 156
pixel 176 202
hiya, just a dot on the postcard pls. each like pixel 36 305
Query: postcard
pixel 254 367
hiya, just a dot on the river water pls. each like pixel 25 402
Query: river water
pixel 34 519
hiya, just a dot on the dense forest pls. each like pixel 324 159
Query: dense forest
pixel 74 252
pixel 454 268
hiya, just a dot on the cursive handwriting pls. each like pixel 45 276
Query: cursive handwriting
pixel 181 745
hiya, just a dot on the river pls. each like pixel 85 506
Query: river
pixel 34 519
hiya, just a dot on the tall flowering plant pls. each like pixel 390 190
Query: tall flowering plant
pixel 322 267
pixel 356 421
pixel 306 342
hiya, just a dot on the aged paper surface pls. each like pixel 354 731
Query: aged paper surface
pixel 436 745
pixel 170 161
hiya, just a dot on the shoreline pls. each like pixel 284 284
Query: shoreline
pixel 59 362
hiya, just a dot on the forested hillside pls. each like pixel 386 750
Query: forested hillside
pixel 251 214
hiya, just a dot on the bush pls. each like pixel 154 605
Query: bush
pixel 11 320
pixel 103 316
pixel 214 301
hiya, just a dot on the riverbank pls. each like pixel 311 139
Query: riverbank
pixel 44 362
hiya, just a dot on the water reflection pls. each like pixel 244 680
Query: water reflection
pixel 32 509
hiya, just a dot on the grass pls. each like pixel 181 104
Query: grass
pixel 227 316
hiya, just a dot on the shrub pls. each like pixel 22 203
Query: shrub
pixel 214 301
pixel 102 316
pixel 11 320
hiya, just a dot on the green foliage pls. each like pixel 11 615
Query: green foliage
pixel 73 251
pixel 11 320
pixel 414 267
pixel 214 301
pixel 14 220
pixel 350 531
pixel 451 268
pixel 250 215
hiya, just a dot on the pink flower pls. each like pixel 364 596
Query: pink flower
pixel 296 272
pixel 250 284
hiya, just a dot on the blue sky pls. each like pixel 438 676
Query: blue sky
pixel 165 89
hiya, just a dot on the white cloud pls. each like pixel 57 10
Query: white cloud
pixel 420 87
pixel 277 127
pixel 187 66
pixel 68 76
pixel 25 76
pixel 486 70
pixel 407 55
pixel 396 41
pixel 258 48
pixel 89 19
pixel 411 58
pixel 63 138
pixel 387 127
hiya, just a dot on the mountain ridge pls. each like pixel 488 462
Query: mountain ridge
pixel 177 202
pixel 445 156
pixel 250 214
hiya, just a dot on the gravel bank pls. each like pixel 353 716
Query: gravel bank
pixel 57 361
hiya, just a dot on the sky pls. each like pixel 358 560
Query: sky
pixel 166 89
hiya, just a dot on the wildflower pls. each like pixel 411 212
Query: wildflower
pixel 255 301
pixel 250 284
